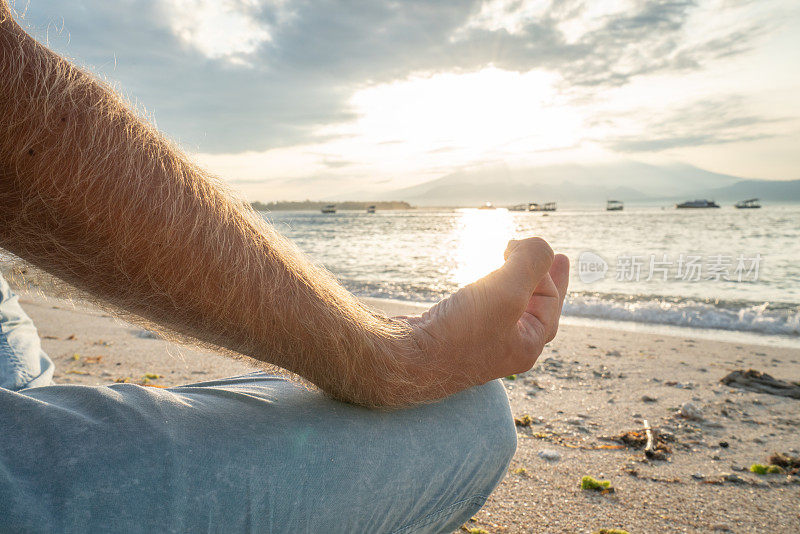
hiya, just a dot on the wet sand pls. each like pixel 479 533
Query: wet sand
pixel 588 386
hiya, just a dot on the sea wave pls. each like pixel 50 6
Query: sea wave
pixel 763 318
pixel 771 318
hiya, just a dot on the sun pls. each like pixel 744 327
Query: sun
pixel 481 237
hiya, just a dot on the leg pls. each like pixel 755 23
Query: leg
pixel 23 363
pixel 252 453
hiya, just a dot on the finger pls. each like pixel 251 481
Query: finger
pixel 548 297
pixel 527 263
pixel 559 272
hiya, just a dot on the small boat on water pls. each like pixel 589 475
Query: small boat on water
pixel 547 206
pixel 749 204
pixel 370 209
pixel 614 205
pixel 697 204
pixel 330 208
pixel 487 206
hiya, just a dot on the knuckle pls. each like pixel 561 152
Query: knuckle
pixel 538 247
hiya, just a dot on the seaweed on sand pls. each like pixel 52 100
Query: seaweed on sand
pixel 592 484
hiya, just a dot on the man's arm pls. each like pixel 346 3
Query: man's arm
pixel 94 195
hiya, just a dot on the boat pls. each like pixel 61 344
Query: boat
pixel 695 204
pixel 519 207
pixel 749 204
pixel 547 206
pixel 370 209
pixel 614 205
pixel 487 206
pixel 330 208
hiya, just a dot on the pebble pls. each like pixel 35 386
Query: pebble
pixel 613 353
pixel 549 455
pixel 731 477
pixel 690 411
pixel 698 476
pixel 648 398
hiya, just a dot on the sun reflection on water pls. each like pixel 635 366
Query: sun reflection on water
pixel 481 237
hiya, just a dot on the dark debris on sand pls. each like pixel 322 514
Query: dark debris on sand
pixel 759 382
pixel 637 439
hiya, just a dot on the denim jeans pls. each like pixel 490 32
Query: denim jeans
pixel 254 453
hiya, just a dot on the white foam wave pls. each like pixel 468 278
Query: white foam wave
pixel 747 317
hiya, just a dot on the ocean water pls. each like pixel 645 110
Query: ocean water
pixel 725 269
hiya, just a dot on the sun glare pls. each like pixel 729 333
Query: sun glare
pixel 481 239
pixel 484 112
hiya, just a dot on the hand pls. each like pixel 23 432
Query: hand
pixel 494 327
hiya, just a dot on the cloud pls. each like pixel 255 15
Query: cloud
pixel 237 75
pixel 218 29
pixel 707 122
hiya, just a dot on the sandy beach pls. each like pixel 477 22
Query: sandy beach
pixel 589 386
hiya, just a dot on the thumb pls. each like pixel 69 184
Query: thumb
pixel 527 262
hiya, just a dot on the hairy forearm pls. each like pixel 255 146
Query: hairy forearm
pixel 94 195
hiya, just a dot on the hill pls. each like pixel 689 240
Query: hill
pixel 584 184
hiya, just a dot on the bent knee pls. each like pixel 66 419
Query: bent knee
pixel 496 420
pixel 488 436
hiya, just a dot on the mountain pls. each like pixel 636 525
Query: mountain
pixel 583 184
pixel 768 190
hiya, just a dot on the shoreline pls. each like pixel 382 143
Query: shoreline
pixel 589 385
pixel 23 276
pixel 403 307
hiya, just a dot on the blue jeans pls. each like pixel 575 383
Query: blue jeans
pixel 253 453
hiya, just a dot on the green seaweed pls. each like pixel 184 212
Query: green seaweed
pixel 592 484
pixel 511 377
pixel 761 469
pixel 525 420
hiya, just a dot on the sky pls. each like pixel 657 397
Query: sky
pixel 291 99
